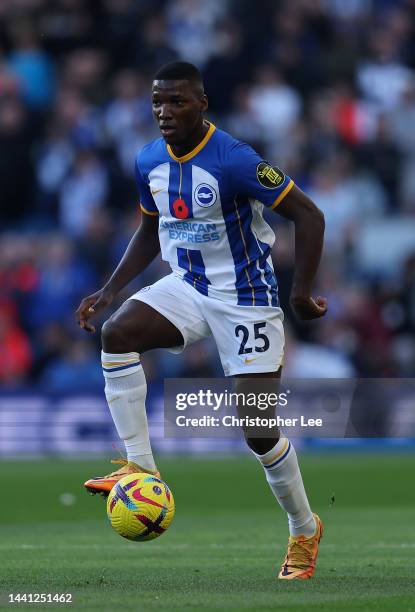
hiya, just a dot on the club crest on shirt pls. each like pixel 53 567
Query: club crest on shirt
pixel 205 195
pixel 269 176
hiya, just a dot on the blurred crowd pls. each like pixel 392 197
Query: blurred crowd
pixel 323 88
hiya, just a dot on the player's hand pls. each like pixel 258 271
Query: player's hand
pixel 307 308
pixel 91 306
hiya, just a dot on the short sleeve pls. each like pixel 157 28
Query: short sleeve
pixel 251 176
pixel 147 204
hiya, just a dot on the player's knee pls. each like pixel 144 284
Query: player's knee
pixel 116 338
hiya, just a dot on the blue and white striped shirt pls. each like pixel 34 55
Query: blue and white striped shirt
pixel 210 206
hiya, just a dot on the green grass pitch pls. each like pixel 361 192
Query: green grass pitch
pixel 226 541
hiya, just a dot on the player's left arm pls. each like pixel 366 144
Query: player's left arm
pixel 250 175
pixel 309 233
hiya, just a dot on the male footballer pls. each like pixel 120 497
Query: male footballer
pixel 202 196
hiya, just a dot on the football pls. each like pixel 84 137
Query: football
pixel 140 507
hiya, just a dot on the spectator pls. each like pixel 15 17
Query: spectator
pixel 63 280
pixel 77 368
pixel 309 360
pixel 15 351
pixel 382 77
pixel 14 161
pixel 128 118
pixel 344 194
pixel 83 192
pixel 274 104
pixel 191 28
pixel 32 67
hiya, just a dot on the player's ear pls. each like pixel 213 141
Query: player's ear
pixel 204 103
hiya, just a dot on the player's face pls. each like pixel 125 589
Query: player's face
pixel 178 108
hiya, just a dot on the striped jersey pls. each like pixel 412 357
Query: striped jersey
pixel 210 206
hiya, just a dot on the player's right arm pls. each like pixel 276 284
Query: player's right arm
pixel 142 249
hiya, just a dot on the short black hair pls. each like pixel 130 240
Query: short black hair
pixel 179 71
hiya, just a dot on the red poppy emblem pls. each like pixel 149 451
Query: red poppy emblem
pixel 180 209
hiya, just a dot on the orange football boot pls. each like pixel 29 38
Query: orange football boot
pixel 300 561
pixel 104 484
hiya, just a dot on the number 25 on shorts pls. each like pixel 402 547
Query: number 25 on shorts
pixel 260 340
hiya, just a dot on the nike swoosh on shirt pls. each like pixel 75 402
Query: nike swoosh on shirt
pixel 250 360
pixel 155 191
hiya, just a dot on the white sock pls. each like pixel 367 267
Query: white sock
pixel 125 390
pixel 284 477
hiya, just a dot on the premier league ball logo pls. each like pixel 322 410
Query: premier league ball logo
pixel 205 195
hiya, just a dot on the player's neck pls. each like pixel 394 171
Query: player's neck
pixel 191 143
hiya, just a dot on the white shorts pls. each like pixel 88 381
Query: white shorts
pixel 249 339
